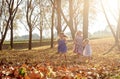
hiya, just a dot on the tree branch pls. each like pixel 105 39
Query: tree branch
pixel 67 22
pixel 108 21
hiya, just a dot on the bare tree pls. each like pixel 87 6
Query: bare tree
pixel 71 19
pixel 44 19
pixel 115 34
pixel 12 7
pixel 31 19
pixel 1 18
pixel 5 21
pixel 41 17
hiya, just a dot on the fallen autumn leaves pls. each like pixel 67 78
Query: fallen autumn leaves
pixel 49 71
pixel 46 64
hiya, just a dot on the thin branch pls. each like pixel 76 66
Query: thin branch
pixel 64 28
pixel 37 25
pixel 67 22
pixel 108 20
pixel 24 25
pixel 35 20
pixel 8 2
pixel 110 49
pixel 12 4
pixel 18 3
pixel 113 15
pixel 47 22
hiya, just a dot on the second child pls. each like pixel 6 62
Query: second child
pixel 87 52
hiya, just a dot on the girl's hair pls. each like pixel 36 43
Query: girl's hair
pixel 63 34
pixel 78 32
pixel 86 40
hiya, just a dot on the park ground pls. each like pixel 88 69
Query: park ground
pixel 98 67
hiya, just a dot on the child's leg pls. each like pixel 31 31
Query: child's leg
pixel 60 58
pixel 78 55
pixel 65 57
pixel 60 55
pixel 87 59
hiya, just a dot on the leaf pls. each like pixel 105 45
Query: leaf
pixel 78 76
pixel 26 77
pixel 22 71
pixel 16 73
pixel 34 76
pixel 41 75
pixel 66 77
pixel 51 72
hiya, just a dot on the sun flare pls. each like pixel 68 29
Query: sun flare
pixel 111 4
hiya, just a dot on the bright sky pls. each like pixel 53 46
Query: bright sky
pixel 111 7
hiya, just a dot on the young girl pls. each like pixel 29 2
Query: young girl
pixel 87 48
pixel 62 48
pixel 78 47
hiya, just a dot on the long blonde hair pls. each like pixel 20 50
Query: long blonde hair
pixel 86 40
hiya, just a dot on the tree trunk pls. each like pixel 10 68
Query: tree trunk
pixel 75 23
pixel 11 38
pixel 30 38
pixel 41 25
pixel 52 29
pixel 40 35
pixel 59 16
pixel 71 18
pixel 73 34
pixel 117 33
pixel 1 46
pixel 118 28
pixel 119 16
pixel 85 19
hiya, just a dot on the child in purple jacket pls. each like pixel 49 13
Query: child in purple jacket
pixel 62 48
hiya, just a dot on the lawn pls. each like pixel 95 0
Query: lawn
pixel 45 63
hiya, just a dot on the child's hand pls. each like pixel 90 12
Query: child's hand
pixel 55 45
